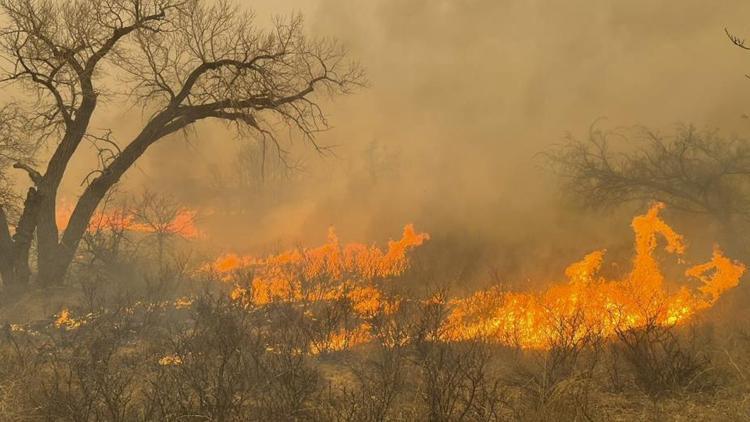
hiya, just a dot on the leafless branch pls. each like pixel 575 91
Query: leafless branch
pixel 739 42
pixel 693 171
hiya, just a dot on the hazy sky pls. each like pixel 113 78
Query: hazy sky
pixel 464 93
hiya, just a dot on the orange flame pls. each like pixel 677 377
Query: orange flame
pixel 589 304
pixel 328 273
pixel 324 273
pixel 586 305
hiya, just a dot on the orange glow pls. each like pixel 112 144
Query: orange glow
pixel 170 360
pixel 182 224
pixel 343 339
pixel 230 262
pixel 66 321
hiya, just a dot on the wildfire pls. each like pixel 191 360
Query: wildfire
pixel 589 304
pixel 328 272
pixel 586 304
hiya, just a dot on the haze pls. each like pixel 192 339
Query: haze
pixel 462 97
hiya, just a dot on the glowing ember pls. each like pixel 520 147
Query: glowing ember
pixel 64 320
pixel 170 360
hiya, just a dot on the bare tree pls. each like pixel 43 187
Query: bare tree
pixel 183 61
pixel 691 170
pixel 160 215
pixel 13 149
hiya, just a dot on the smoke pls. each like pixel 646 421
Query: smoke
pixel 463 96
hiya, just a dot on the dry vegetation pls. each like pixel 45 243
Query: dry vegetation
pixel 178 339
pixel 218 360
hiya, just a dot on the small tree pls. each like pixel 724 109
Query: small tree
pixel 163 218
pixel 182 61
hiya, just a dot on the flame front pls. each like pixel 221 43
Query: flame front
pixel 586 304
pixel 325 273
pixel 589 304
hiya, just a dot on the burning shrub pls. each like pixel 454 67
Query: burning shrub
pixel 319 273
pixel 338 288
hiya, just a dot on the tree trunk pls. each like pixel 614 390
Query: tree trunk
pixel 47 242
pixel 49 272
pixel 160 126
pixel 56 259
pixel 14 250
pixel 59 261
pixel 49 254
pixel 7 273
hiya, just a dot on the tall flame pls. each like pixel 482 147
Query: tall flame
pixel 590 304
pixel 327 273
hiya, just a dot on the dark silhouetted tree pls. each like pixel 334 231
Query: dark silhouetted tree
pixel 181 61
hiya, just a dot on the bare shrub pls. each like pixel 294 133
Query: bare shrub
pixel 230 366
pixel 91 373
pixel 457 380
pixel 663 360
pixel 382 386
pixel 558 381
